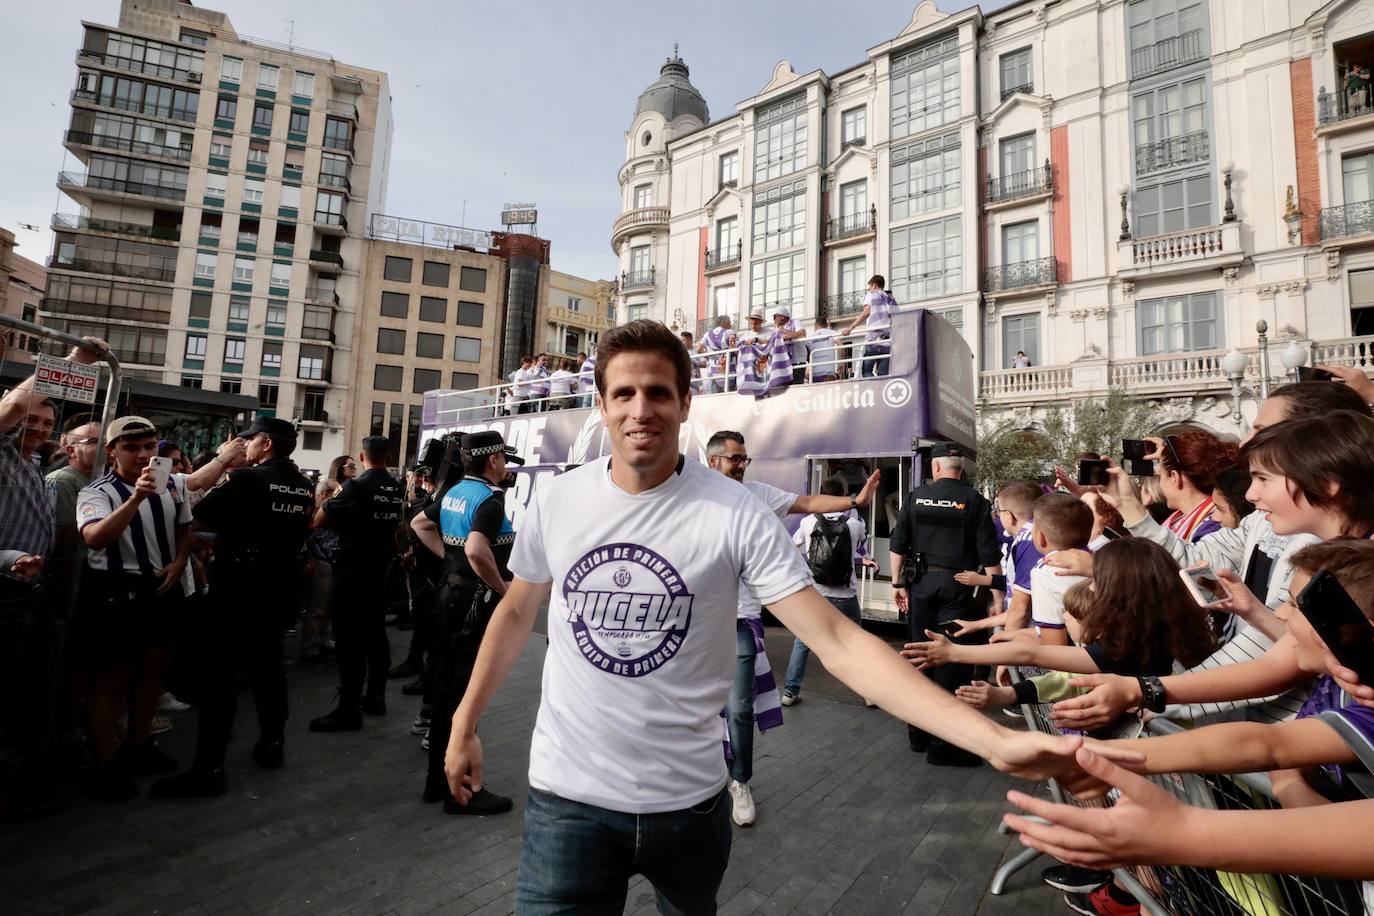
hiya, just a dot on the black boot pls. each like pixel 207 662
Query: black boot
pixel 338 720
pixel 374 706
pixel 194 783
pixel 270 755
pixel 481 803
pixel 408 668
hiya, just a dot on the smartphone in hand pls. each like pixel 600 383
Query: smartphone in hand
pixel 1133 452
pixel 1202 582
pixel 162 469
pixel 1340 623
pixel 1092 472
pixel 1308 374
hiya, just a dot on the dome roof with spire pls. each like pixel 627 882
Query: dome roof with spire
pixel 672 94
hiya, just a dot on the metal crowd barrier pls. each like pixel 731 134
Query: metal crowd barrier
pixel 1187 891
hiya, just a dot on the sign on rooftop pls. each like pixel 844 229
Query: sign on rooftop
pixel 519 214
pixel 435 235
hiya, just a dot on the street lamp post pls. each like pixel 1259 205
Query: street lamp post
pixel 1262 329
pixel 1234 365
pixel 1293 356
pixel 1125 192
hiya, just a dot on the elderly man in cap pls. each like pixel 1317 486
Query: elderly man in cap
pixel 944 528
pixel 366 512
pixel 468 527
pixel 791 329
pixel 260 516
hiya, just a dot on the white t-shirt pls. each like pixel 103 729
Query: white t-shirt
pixel 779 502
pixel 857 536
pixel 1047 595
pixel 641 634
pixel 520 378
pixel 822 344
pixel 560 383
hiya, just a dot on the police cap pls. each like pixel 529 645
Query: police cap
pixel 947 450
pixel 270 425
pixel 489 442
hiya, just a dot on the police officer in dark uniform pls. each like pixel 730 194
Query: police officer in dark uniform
pixel 423 570
pixel 468 526
pixel 944 528
pixel 259 516
pixel 366 512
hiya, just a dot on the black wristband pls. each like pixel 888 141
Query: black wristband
pixel 1026 691
pixel 853 502
pixel 1152 695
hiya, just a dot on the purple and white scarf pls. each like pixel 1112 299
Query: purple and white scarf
pixel 779 372
pixel 767 700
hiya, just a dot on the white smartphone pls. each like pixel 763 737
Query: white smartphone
pixel 1207 590
pixel 162 469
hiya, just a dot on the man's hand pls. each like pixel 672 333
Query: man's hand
pixel 975 694
pixel 1025 634
pixel 1122 493
pixel 870 486
pixel 968 626
pixel 231 451
pixel 1141 828
pixel 969 577
pixel 463 766
pixel 1068 481
pixel 1071 562
pixel 1353 377
pixel 27 566
pixel 1239 600
pixel 870 563
pixel 1111 695
pixel 1001 675
pixel 97 351
pixel 899 595
pixel 925 654
pixel 1038 756
pixel 1350 683
pixel 171 575
pixel 145 486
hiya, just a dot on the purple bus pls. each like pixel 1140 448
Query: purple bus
pixel 797 436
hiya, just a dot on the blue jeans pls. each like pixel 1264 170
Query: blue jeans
pixel 579 858
pixel 740 722
pixel 796 666
pixel 876 361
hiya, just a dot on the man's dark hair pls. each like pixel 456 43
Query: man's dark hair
pixel 687 334
pixel 822 321
pixel 722 436
pixel 1234 482
pixel 833 486
pixel 879 280
pixel 526 359
pixel 79 419
pixel 1316 452
pixel 645 336
pixel 581 357
pixel 1315 399
pixel 377 451
pixel 1349 560
pixel 1065 520
pixel 51 405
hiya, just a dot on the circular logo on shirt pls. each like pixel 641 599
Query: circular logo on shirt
pixel 628 608
pixel 897 392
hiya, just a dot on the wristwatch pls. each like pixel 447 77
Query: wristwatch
pixel 853 502
pixel 1152 695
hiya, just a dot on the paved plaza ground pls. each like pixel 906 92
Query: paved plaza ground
pixel 850 821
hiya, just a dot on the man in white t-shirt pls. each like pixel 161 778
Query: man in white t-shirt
pixel 626 774
pixel 725 452
pixel 822 356
pixel 520 385
pixel 560 387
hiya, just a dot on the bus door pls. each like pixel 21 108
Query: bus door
pixel 879 516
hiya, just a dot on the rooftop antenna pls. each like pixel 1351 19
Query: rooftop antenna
pixel 291 34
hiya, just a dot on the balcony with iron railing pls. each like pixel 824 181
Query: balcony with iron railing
pixel 637 220
pixel 128 145
pixel 643 279
pixel 70 180
pixel 1009 91
pixel 841 304
pixel 1171 152
pixel 115 269
pixel 852 225
pixel 1333 108
pixel 71 221
pixel 326 256
pixel 1020 276
pixel 185 115
pixel 1019 185
pixel 1343 224
pixel 1180 252
pixel 1164 374
pixel 145 67
pixel 725 256
pixel 332 223
pixel 1167 53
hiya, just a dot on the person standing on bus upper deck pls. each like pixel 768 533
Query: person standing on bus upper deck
pixel 539 383
pixel 716 341
pixel 698 362
pixel 586 379
pixel 754 697
pixel 791 329
pixel 520 385
pixel 877 318
pixel 821 347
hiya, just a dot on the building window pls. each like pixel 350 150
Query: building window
pixel 337 134
pixel 854 126
pixel 1357 177
pixel 644 196
pixel 852 279
pixel 853 198
pixel 276 314
pixel 463 381
pixel 191 381
pixel 779 281
pixel 294 159
pixel 470 314
pixel 1018 154
pixel 473 279
pixel 1020 334
pixel 200 306
pixel 195 346
pixel 426 380
pixel 226 108
pixel 391 340
pixel 780 217
pixel 1179 323
pixel 312 440
pixel 303 85
pixel 1173 206
pixel 467 349
pixel 639 261
pixel 205 264
pixel 1021 242
pixel 1154 27
pixel 636 312
pixel 729 169
pixel 252 191
pixel 429 346
pixel 233 350
pixel 221 146
pixel 262 115
pixel 244 269
pixel 396 269
pixel 925 177
pixel 267 396
pixel 329 208
pixel 230 386
pixel 727 236
pixel 216 184
pixel 290 198
pixel 434 273
pixel 317 323
pixel 311 363
pixel 238 308
pixel 300 121
pixel 268 76
pixel 195 37
pixel 926 260
pixel 1016 72
pixel 925 87
pixel 1170 125
pixel 387 378
pixel 271 356
pixel 231 70
pixel 726 300
pixel 780 139
pixel 574 304
pixel 432 309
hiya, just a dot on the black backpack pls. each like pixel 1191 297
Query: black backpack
pixel 831 554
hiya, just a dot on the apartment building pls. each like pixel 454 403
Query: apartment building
pixel 575 313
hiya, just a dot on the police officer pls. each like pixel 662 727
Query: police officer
pixel 422 569
pixel 469 528
pixel 259 516
pixel 944 528
pixel 366 512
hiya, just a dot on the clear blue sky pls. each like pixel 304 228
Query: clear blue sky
pixel 492 102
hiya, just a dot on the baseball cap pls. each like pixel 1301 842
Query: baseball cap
pixel 947 450
pixel 129 426
pixel 783 310
pixel 489 442
pixel 270 425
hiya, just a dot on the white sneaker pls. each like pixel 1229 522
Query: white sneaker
pixel 791 699
pixel 742 809
pixel 869 703
pixel 168 703
pixel 424 742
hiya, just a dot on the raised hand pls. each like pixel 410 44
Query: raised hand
pixel 1110 696
pixel 926 654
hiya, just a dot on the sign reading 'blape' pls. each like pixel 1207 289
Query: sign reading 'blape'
pixel 436 235
pixel 64 379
